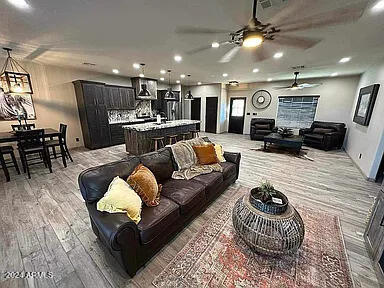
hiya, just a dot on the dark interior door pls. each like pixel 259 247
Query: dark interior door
pixel 196 110
pixel 211 114
pixel 236 115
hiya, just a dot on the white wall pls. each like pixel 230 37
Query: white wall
pixel 335 102
pixel 55 100
pixel 368 140
pixel 203 92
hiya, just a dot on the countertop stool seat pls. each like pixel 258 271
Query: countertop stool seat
pixel 195 133
pixel 4 150
pixel 186 135
pixel 172 139
pixel 158 142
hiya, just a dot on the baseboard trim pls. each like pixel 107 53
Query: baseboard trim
pixel 358 167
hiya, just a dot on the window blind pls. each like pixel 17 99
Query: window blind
pixel 297 111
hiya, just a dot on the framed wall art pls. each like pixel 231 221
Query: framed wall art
pixel 365 104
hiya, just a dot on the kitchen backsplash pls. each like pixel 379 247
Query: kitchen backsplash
pixel 143 108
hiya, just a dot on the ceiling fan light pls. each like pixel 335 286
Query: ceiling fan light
pixel 252 39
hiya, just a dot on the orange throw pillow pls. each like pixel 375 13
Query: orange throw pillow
pixel 206 154
pixel 145 185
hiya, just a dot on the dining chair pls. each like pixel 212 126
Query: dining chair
pixel 18 127
pixel 61 142
pixel 5 164
pixel 32 142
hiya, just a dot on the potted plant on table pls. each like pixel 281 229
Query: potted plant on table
pixel 268 200
pixel 285 132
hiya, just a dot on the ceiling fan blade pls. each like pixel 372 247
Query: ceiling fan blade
pixel 342 15
pixel 198 30
pixel 289 11
pixel 261 53
pixel 206 47
pixel 281 87
pixel 309 85
pixel 230 54
pixel 296 41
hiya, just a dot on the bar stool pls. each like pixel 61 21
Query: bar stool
pixel 172 138
pixel 195 133
pixel 158 141
pixel 186 135
pixel 4 164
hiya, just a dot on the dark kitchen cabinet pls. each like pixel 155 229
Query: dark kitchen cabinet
pixel 118 97
pixel 93 113
pixel 374 236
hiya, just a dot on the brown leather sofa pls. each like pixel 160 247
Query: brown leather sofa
pixel 181 201
pixel 261 127
pixel 324 135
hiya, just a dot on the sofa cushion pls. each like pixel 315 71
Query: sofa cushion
pixel 155 220
pixel 263 132
pixel 160 163
pixel 186 193
pixel 94 181
pixel 229 169
pixel 262 126
pixel 317 137
pixel 210 182
pixel 322 130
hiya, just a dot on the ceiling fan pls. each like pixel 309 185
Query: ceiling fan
pixel 257 34
pixel 297 86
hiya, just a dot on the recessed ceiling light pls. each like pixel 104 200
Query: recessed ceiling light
pixel 225 74
pixel 345 60
pixel 163 71
pixel 141 75
pixel 215 45
pixel 334 74
pixel 378 6
pixel 177 81
pixel 269 79
pixel 178 58
pixel 255 70
pixel 198 83
pixel 21 4
pixel 136 65
pixel 182 76
pixel 115 71
pixel 278 55
pixel 162 79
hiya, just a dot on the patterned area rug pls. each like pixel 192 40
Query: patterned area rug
pixel 217 257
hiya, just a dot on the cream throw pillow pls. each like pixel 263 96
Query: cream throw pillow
pixel 121 198
pixel 219 152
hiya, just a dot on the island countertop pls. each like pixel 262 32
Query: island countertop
pixel 153 126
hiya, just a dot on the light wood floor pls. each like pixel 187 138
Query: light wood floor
pixel 44 224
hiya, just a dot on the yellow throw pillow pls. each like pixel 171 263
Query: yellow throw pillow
pixel 144 183
pixel 219 152
pixel 121 198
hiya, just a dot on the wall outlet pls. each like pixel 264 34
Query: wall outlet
pixel 248 113
pixel 77 139
pixel 254 113
pixel 360 155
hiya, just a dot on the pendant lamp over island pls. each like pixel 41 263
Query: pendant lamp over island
pixel 144 91
pixel 189 95
pixel 169 95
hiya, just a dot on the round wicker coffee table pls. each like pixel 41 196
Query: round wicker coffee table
pixel 268 234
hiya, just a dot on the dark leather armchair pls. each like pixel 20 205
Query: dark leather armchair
pixel 324 135
pixel 261 127
pixel 131 244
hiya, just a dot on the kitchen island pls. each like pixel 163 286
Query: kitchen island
pixel 138 137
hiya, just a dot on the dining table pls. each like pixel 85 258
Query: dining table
pixel 10 136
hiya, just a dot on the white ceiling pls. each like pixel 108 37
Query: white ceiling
pixel 117 33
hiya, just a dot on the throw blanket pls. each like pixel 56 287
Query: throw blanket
pixel 187 162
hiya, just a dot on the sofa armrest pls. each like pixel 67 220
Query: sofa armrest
pixel 233 158
pixel 116 228
pixel 333 139
pixel 304 131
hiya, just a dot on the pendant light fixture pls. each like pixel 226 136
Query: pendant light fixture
pixel 13 77
pixel 169 95
pixel 144 91
pixel 188 96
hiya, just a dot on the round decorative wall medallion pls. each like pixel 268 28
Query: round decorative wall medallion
pixel 261 99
